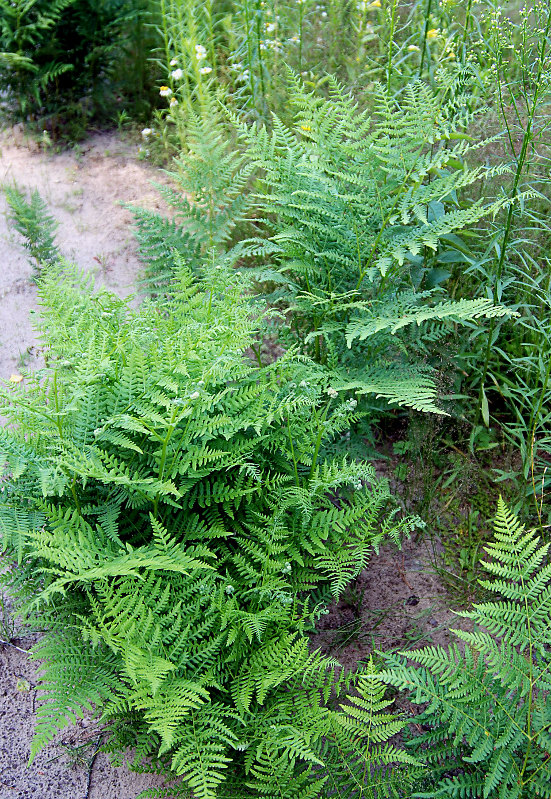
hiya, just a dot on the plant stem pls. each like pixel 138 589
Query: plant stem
pixel 426 30
pixel 526 140
pixel 390 43
pixel 295 465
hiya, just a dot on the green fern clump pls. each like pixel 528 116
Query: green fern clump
pixel 171 506
pixel 363 215
pixel 64 62
pixel 487 705
pixel 35 224
pixel 208 199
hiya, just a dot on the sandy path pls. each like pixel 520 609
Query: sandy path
pixel 83 191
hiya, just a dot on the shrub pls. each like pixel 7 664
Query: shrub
pixel 363 215
pixel 178 526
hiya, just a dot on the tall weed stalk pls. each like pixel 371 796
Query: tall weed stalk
pixel 522 102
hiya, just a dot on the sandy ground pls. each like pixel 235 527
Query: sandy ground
pixel 83 190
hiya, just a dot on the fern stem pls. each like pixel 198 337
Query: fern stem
pixel 295 465
pixel 531 674
pixel 384 225
pixel 171 429
pixel 319 438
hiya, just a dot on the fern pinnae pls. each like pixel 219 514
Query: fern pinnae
pixel 164 525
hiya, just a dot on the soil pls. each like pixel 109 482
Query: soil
pixel 84 189
pixel 396 603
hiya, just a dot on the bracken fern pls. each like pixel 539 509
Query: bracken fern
pixel 171 509
pixel 364 212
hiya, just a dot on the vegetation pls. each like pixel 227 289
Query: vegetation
pixel 486 709
pixel 36 226
pixel 64 64
pixel 356 268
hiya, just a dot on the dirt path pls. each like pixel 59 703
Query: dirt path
pixel 83 190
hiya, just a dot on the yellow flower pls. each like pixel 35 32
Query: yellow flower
pixel 433 33
pixel 16 378
pixel 165 91
pixel 413 48
pixel 306 127
pixel 375 4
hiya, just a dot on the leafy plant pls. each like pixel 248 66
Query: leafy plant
pixel 531 93
pixel 487 706
pixel 33 221
pixel 209 198
pixel 178 528
pixel 65 62
pixel 24 29
pixel 364 213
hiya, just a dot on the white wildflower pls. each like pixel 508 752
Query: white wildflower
pixel 177 74
pixel 165 91
pixel 195 395
pixel 332 392
pixel 205 70
pixel 146 132
pixel 200 52
pixel 174 62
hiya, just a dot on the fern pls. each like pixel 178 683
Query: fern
pixel 37 227
pixel 209 201
pixel 170 504
pixel 24 28
pixel 487 707
pixel 361 212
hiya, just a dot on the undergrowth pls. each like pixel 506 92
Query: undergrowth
pixel 179 526
pixel 182 508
